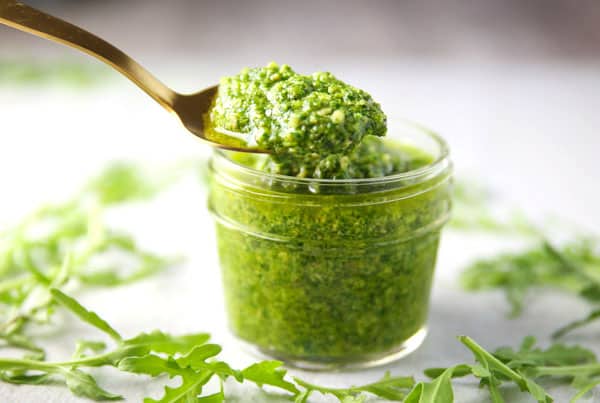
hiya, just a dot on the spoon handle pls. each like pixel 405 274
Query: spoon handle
pixel 28 19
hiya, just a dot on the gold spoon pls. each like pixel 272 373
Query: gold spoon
pixel 190 109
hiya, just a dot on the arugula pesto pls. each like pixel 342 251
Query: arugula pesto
pixel 309 124
pixel 331 274
pixel 335 271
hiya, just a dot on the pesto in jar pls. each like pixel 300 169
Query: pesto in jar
pixel 314 270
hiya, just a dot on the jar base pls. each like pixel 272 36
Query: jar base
pixel 336 364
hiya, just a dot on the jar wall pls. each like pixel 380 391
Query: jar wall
pixel 330 272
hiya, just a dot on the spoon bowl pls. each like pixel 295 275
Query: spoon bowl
pixel 191 109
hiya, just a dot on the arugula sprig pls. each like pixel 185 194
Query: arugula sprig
pixel 70 243
pixel 523 367
pixel 189 357
pixel 389 387
pixel 573 268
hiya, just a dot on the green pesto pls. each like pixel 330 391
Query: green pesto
pixel 310 124
pixel 372 158
pixel 331 276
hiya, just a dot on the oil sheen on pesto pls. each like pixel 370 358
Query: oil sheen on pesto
pixel 311 124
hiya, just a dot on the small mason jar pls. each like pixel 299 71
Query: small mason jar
pixel 331 273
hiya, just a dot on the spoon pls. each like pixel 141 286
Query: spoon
pixel 189 108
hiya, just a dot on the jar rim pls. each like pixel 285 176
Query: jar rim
pixel 426 171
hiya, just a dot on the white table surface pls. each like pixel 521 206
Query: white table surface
pixel 530 131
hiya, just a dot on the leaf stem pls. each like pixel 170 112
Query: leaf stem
pixel 568 370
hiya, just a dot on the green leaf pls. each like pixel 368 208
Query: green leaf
pixel 537 391
pixel 459 371
pixel 160 342
pixel 189 389
pixel 498 370
pixel 223 370
pixel 83 346
pixel 22 379
pixel 151 365
pixel 591 317
pixel 121 182
pixel 214 398
pixel 437 391
pixel 303 396
pixel 62 242
pixel 527 343
pixel 584 389
pixel 572 268
pixel 87 316
pixel 196 360
pixel 414 396
pixel 480 372
pixel 269 373
pixel 198 356
pixel 555 355
pixel 495 394
pixel 149 265
pixel 23 342
pixel 390 388
pixel 491 363
pixel 82 384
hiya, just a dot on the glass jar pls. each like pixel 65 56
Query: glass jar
pixel 331 273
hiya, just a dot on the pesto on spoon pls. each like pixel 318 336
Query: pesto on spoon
pixel 311 124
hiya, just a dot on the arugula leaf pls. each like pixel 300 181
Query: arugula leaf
pixel 269 373
pixel 555 355
pixel 389 387
pixel 188 391
pixel 84 346
pixel 576 324
pixel 58 244
pixel 82 384
pixel 123 181
pixel 493 371
pixel 437 391
pixel 199 355
pixel 574 268
pixel 21 379
pixel 537 391
pixel 214 398
pixel 160 342
pixel 568 268
pixel 303 396
pixel 354 399
pixel 492 364
pixel 458 372
pixel 87 316
pixel 196 360
pixel 150 364
pixel 584 390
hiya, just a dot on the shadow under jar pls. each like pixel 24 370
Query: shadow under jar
pixel 326 274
